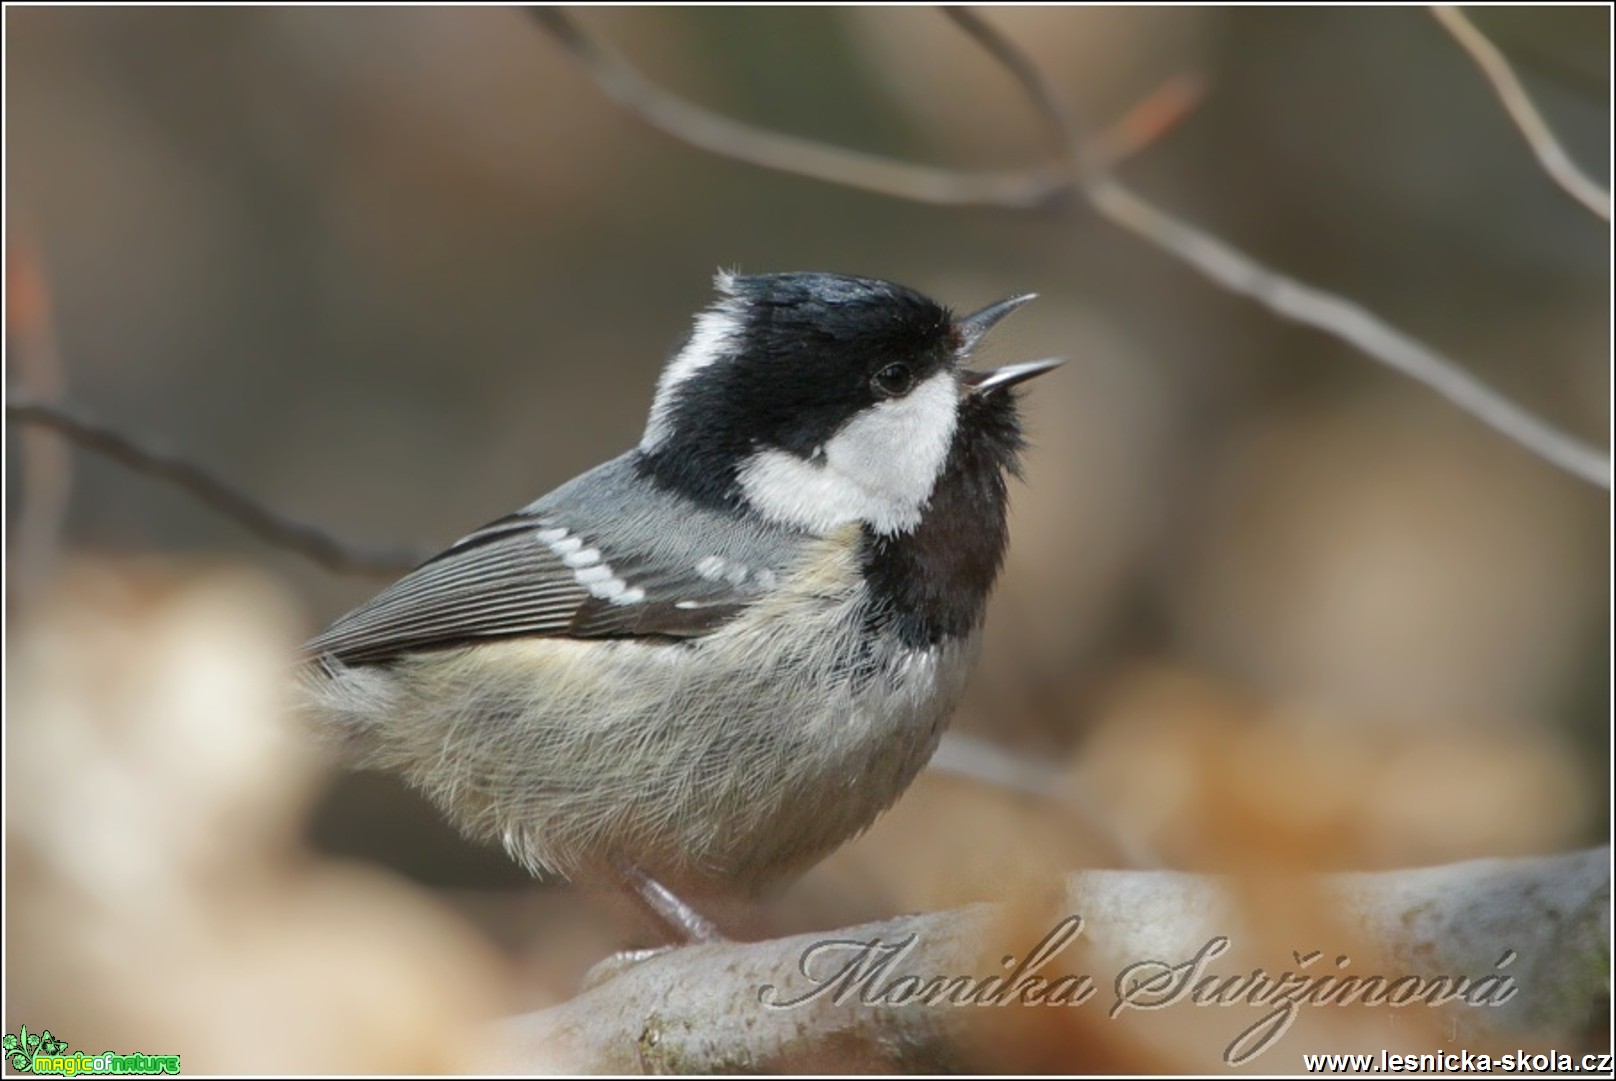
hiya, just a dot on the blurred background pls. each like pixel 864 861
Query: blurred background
pixel 395 272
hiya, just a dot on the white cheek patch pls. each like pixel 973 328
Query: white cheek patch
pixel 880 468
pixel 712 339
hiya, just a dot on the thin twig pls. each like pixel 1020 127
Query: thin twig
pixel 981 760
pixel 718 134
pixel 47 464
pixel 1086 161
pixel 219 494
pixel 967 756
pixel 1150 118
pixel 1518 104
pixel 1282 295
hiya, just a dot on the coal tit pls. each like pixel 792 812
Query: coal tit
pixel 706 663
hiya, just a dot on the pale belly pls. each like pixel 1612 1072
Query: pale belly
pixel 719 764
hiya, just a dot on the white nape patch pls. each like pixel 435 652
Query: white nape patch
pixel 595 576
pixel 880 468
pixel 711 340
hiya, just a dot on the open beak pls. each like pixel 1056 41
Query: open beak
pixel 974 327
pixel 1007 376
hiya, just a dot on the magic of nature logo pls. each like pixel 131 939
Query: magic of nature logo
pixel 43 1053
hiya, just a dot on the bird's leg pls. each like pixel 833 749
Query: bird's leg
pixel 668 910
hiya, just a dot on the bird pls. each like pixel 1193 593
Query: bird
pixel 708 662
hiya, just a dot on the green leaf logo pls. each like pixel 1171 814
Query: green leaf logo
pixel 21 1046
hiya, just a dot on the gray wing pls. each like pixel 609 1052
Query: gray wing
pixel 547 571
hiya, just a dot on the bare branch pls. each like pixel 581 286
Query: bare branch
pixel 1150 118
pixel 967 756
pixel 1518 104
pixel 1284 296
pixel 1087 160
pixel 980 760
pixel 717 134
pixel 47 467
pixel 1351 322
pixel 702 1009
pixel 277 529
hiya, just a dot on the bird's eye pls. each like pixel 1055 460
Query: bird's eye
pixel 893 381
